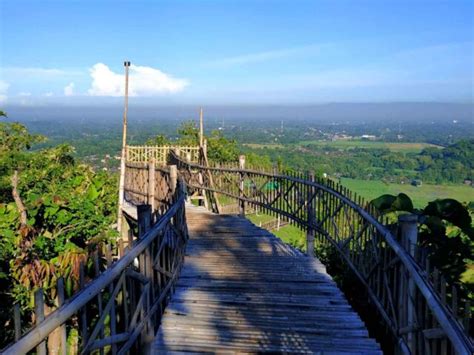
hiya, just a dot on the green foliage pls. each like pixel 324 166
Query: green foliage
pixel 389 203
pixel 451 211
pixel 221 149
pixel 432 165
pixel 255 160
pixel 158 140
pixel 70 211
pixel 445 230
pixel 188 134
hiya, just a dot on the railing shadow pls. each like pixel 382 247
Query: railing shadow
pixel 242 287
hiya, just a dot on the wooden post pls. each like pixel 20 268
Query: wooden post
pixel 188 156
pixel 241 186
pixel 17 320
pixel 39 314
pixel 144 219
pixel 144 215
pixel 124 154
pixel 151 185
pixel 409 239
pixel 62 328
pixel 173 178
pixel 201 129
pixel 213 198
pixel 204 152
pixel 310 216
pixel 202 191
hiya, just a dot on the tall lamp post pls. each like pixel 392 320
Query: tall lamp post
pixel 124 152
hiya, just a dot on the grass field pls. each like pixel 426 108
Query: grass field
pixel 289 234
pixel 262 146
pixel 259 218
pixel 419 195
pixel 351 144
pixel 293 236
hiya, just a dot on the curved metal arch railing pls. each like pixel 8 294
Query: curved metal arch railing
pixel 402 292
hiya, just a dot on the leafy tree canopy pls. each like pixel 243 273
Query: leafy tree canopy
pixel 54 211
pixel 445 230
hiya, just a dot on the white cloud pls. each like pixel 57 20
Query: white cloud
pixel 144 81
pixel 25 94
pixel 266 56
pixel 3 91
pixel 48 94
pixel 69 89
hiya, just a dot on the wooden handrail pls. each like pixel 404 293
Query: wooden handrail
pixel 118 270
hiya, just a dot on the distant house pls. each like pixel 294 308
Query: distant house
pixel 369 137
pixel 416 182
pixel 468 182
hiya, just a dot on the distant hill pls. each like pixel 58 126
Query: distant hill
pixel 338 112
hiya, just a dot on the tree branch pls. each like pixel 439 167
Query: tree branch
pixel 18 201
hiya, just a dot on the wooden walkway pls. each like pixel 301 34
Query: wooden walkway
pixel 243 290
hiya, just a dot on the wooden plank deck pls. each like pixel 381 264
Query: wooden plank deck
pixel 243 290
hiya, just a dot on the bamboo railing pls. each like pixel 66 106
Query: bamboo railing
pixel 119 310
pixel 146 153
pixel 412 303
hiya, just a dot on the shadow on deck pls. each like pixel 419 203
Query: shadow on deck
pixel 242 289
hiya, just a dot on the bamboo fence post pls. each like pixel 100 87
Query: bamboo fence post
pixel 409 236
pixel 62 327
pixel 17 320
pixel 39 314
pixel 151 185
pixel 310 216
pixel 173 178
pixel 201 128
pixel 241 186
pixel 124 153
pixel 144 219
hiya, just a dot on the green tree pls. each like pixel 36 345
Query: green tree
pixel 188 134
pixel 445 231
pixel 221 149
pixel 159 140
pixel 54 211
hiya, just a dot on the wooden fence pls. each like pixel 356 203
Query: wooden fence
pixel 423 313
pixel 159 154
pixel 119 310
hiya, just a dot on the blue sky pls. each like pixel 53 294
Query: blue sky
pixel 219 52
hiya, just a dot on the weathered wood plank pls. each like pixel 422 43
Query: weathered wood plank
pixel 242 289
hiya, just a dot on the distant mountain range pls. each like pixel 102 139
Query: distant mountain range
pixel 332 112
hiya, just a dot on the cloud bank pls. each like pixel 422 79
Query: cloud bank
pixel 144 81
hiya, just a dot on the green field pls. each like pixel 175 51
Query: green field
pixel 293 236
pixel 351 144
pixel 419 195
pixel 263 146
pixel 259 218
pixel 289 234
